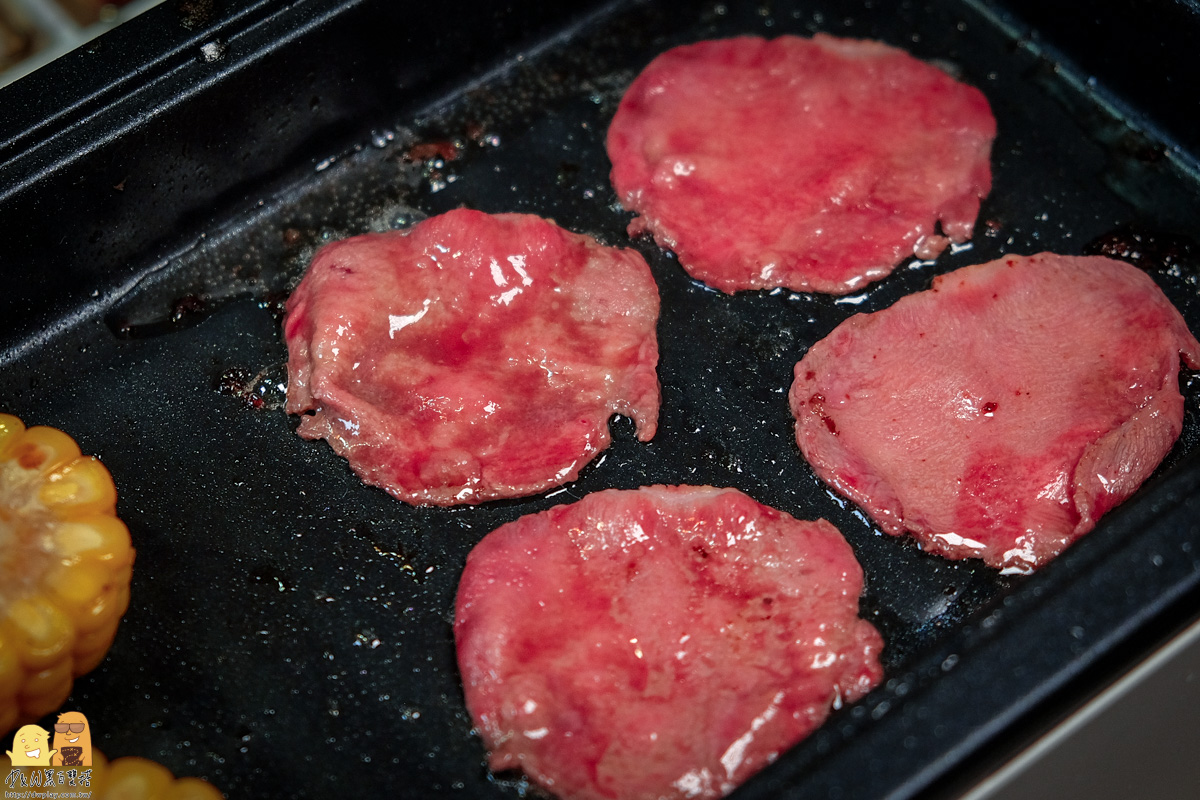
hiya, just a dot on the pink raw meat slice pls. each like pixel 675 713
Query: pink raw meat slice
pixel 665 642
pixel 472 357
pixel 1001 413
pixel 816 164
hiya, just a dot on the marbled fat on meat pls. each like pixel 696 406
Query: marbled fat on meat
pixel 1001 413
pixel 665 642
pixel 815 164
pixel 472 356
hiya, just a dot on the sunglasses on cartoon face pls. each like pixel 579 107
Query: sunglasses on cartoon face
pixel 73 727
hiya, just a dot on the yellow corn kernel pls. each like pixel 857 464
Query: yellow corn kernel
pixel 10 428
pixel 133 778
pixel 42 449
pixel 84 590
pixel 103 615
pixel 10 671
pixel 44 691
pixel 11 679
pixel 48 681
pixel 96 535
pixel 81 486
pixel 41 632
pixel 191 789
pixel 65 567
pixel 88 658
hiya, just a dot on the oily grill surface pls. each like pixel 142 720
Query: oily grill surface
pixel 290 633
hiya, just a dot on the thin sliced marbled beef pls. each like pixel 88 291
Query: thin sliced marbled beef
pixel 1001 413
pixel 665 642
pixel 472 357
pixel 816 164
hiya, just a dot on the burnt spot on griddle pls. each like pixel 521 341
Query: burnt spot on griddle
pixel 195 14
pixel 236 382
pixel 475 131
pixel 1151 251
pixel 387 542
pixel 444 151
pixel 432 157
pixel 479 134
pixel 262 390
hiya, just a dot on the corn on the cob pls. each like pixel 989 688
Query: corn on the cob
pixel 65 567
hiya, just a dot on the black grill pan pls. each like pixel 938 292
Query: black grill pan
pixel 289 634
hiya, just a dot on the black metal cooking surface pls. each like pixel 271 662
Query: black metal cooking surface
pixel 289 633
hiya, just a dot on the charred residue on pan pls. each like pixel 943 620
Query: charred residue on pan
pixel 263 390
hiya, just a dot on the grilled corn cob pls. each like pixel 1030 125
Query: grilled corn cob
pixel 65 567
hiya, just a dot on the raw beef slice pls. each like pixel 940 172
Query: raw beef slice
pixel 657 643
pixel 472 357
pixel 1001 413
pixel 816 164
